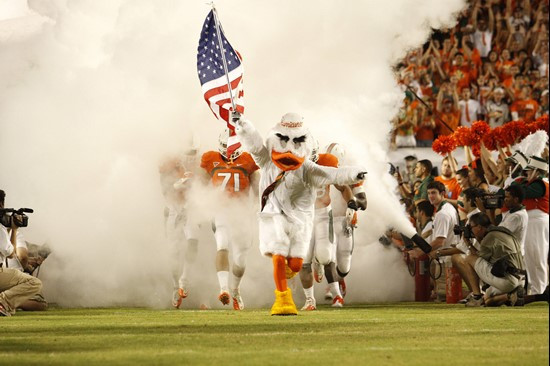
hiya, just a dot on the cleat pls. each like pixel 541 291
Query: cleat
pixel 338 302
pixel 238 303
pixel 318 271
pixel 224 297
pixel 284 305
pixel 328 294
pixel 310 304
pixel 342 284
pixel 178 297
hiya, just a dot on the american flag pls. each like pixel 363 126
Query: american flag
pixel 213 79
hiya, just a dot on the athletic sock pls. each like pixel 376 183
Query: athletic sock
pixel 234 282
pixel 308 292
pixel 223 277
pixel 335 289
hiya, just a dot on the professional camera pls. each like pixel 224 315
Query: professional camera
pixel 17 217
pixel 465 230
pixel 490 200
pixel 493 200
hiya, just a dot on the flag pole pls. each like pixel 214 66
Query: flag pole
pixel 216 20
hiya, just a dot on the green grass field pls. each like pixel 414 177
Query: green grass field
pixel 396 334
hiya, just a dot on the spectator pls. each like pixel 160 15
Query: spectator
pixel 483 34
pixel 448 178
pixel 406 123
pixel 463 183
pixel 424 214
pixel 445 219
pixel 423 173
pixel 447 108
pixel 476 176
pixel 470 109
pixel 525 107
pixel 425 129
pixel 497 110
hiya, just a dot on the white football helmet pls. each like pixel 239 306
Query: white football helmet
pixel 336 150
pixel 222 147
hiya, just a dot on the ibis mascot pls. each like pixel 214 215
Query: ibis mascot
pixel 289 181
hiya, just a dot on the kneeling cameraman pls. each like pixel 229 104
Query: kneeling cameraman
pixel 498 263
pixel 16 287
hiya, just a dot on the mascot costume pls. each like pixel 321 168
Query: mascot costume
pixel 288 183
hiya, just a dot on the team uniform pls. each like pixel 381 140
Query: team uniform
pixel 536 238
pixel 233 176
pixel 322 245
pixel 181 230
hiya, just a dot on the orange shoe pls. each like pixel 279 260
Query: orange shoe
pixel 342 284
pixel 178 297
pixel 338 302
pixel 224 297
pixel 238 303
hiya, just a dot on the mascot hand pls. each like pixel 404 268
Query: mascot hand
pixel 242 126
pixel 362 175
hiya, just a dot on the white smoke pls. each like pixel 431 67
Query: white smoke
pixel 94 93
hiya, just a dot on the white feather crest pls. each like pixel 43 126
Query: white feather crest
pixel 533 144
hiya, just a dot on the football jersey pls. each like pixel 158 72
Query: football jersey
pixel 323 194
pixel 232 176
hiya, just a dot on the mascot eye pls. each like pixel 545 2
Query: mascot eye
pixel 300 139
pixel 282 137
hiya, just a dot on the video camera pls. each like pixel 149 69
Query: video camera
pixel 490 200
pixel 17 217
pixel 493 200
pixel 465 230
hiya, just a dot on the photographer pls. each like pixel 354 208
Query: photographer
pixel 15 286
pixel 514 216
pixel 498 263
pixel 459 252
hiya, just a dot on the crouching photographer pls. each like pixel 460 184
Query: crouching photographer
pixel 16 287
pixel 498 263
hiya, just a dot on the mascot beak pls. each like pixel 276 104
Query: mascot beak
pixel 286 161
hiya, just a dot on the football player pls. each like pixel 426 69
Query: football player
pixel 344 209
pixel 181 232
pixel 322 245
pixel 235 174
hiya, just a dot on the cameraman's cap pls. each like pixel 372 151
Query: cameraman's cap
pixel 519 158
pixel 537 163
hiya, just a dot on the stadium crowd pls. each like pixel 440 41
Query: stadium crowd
pixel 492 66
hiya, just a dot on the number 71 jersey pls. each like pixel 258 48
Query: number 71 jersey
pixel 232 176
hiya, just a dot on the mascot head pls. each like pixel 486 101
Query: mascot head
pixel 289 142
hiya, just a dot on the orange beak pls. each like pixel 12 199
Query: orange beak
pixel 286 161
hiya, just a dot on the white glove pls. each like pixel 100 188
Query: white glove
pixel 243 126
pixel 181 182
